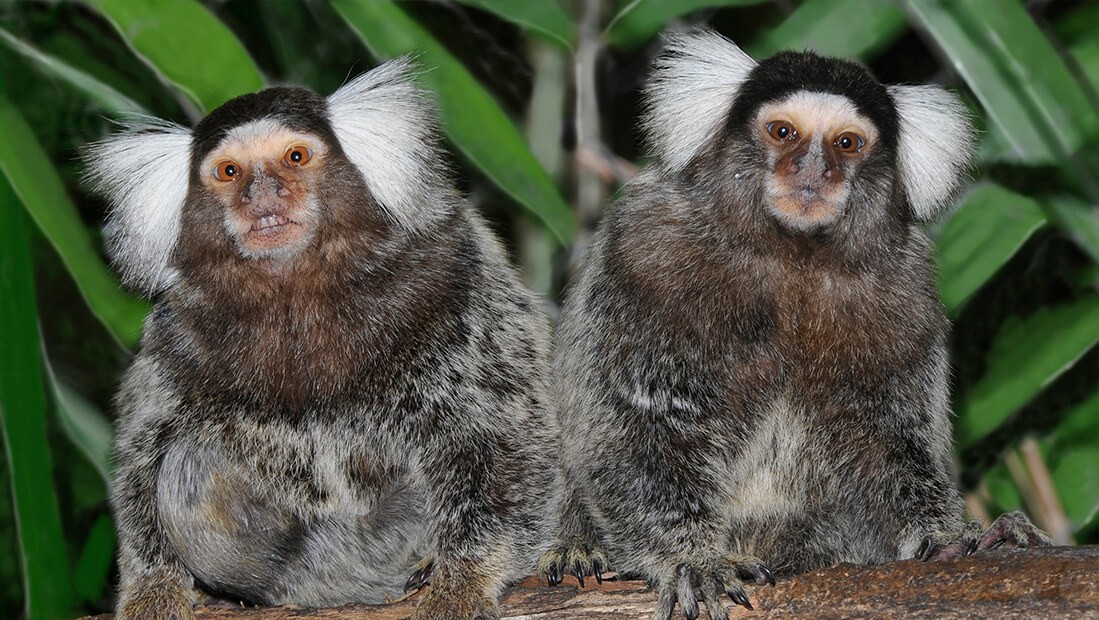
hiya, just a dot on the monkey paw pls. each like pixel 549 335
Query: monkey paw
pixel 421 574
pixel 444 604
pixel 707 581
pixel 572 558
pixel 1013 530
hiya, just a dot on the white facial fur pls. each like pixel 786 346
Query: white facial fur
pixel 387 128
pixel 936 147
pixel 819 115
pixel 690 93
pixel 142 172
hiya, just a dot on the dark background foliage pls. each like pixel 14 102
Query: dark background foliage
pixel 539 100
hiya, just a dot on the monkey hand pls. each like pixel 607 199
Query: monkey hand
pixel 706 581
pixel 573 557
pixel 155 597
pixel 1013 530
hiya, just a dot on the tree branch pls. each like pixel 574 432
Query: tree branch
pixel 1054 582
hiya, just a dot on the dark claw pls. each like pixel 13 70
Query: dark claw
pixel 927 547
pixel 554 575
pixel 768 576
pixel 972 546
pixel 578 568
pixel 597 571
pixel 739 597
pixel 418 578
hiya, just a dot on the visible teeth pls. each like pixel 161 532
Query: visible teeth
pixel 268 221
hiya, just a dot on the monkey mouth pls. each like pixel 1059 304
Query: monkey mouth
pixel 270 224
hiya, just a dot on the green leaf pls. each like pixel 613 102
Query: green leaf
pixel 42 193
pixel 1025 357
pixel 542 16
pixel 1078 219
pixel 84 423
pixel 640 20
pixel 1027 91
pixel 844 28
pixel 187 46
pixel 979 238
pixel 471 118
pixel 1072 451
pixel 46 580
pixel 104 96
pixel 93 566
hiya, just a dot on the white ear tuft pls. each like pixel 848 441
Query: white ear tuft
pixel 143 172
pixel 690 93
pixel 387 127
pixel 936 147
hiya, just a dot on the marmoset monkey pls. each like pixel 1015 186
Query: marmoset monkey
pixel 343 382
pixel 752 364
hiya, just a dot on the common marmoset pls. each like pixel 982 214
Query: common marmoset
pixel 752 363
pixel 342 382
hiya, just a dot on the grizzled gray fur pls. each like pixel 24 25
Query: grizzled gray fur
pixel 752 363
pixel 342 387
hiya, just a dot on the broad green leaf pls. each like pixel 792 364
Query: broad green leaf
pixel 1078 219
pixel 1026 89
pixel 1025 357
pixel 1086 53
pixel 93 566
pixel 41 191
pixel 471 118
pixel 542 16
pixel 84 423
pixel 104 96
pixel 187 45
pixel 1072 451
pixel 844 28
pixel 46 580
pixel 979 238
pixel 637 21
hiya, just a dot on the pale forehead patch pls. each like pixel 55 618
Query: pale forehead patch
pixel 818 114
pixel 265 138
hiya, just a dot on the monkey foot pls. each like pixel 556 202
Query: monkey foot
pixel 576 558
pixel 456 592
pixel 421 574
pixel 1012 530
pixel 707 581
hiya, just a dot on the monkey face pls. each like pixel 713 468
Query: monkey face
pixel 264 175
pixel 814 144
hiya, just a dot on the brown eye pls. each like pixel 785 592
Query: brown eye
pixel 226 171
pixel 782 131
pixel 849 142
pixel 297 156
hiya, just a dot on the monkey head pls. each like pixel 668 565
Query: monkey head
pixel 269 176
pixel 811 142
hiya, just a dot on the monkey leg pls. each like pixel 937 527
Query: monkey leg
pixel 577 550
pixel 1012 530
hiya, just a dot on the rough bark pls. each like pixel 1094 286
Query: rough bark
pixel 1055 582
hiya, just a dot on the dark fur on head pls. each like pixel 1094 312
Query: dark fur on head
pixel 739 389
pixel 314 425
